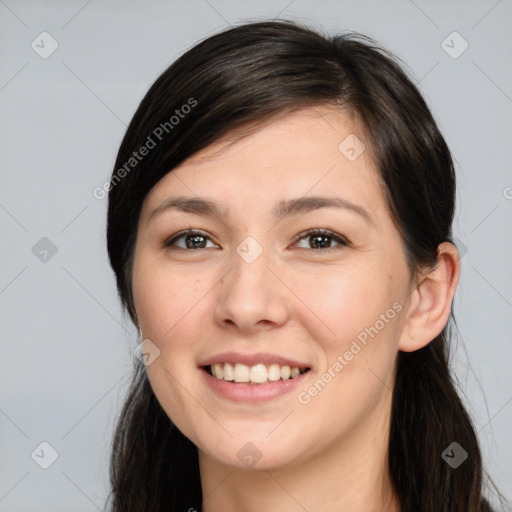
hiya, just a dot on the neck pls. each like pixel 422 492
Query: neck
pixel 352 476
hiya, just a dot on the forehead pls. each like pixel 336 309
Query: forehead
pixel 312 151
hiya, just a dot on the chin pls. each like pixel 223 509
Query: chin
pixel 251 458
pixel 255 453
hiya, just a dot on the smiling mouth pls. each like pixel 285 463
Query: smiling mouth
pixel 256 374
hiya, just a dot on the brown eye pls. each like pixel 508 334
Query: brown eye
pixel 193 240
pixel 322 239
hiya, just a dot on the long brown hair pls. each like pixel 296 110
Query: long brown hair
pixel 242 77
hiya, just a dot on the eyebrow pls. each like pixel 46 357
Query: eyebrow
pixel 301 205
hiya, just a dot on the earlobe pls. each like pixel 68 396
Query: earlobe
pixel 431 301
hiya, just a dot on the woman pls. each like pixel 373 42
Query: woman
pixel 279 226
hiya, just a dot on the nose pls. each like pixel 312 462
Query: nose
pixel 251 297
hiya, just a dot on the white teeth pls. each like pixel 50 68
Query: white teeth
pixel 285 372
pixel 217 371
pixel 228 372
pixel 241 373
pixel 258 373
pixel 274 372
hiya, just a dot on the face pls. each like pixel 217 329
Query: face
pixel 269 278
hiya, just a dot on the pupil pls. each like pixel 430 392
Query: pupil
pixel 318 237
pixel 191 241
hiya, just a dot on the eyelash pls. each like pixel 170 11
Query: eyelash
pixel 342 241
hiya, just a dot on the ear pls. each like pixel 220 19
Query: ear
pixel 431 300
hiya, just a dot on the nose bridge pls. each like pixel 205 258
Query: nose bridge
pixel 250 266
pixel 250 293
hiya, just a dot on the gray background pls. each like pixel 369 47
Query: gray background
pixel 66 347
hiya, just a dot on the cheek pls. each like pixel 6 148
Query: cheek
pixel 163 297
pixel 169 308
pixel 362 319
pixel 346 302
pixel 358 366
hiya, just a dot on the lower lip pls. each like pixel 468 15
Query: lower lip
pixel 252 393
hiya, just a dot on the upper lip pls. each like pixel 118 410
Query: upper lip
pixel 252 359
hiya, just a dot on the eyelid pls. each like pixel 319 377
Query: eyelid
pixel 170 241
pixel 340 239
